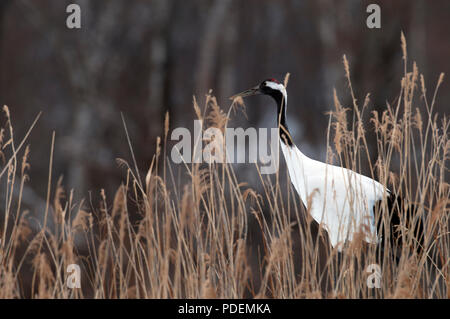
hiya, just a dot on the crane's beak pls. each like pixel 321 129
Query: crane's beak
pixel 249 92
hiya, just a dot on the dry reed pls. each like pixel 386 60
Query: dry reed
pixel 194 242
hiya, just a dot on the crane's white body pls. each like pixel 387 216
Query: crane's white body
pixel 341 200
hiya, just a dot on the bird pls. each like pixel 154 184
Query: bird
pixel 342 201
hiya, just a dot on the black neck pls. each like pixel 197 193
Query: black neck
pixel 285 136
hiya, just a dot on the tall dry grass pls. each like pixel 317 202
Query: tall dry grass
pixel 157 239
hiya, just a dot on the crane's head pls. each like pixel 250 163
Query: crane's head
pixel 267 87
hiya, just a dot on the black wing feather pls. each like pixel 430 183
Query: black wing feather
pixel 390 227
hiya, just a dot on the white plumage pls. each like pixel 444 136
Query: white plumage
pixel 341 200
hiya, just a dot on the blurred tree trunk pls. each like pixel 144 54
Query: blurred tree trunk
pixel 4 4
pixel 227 76
pixel 159 60
pixel 331 67
pixel 92 112
pixel 417 34
pixel 209 44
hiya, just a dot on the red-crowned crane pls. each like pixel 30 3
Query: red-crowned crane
pixel 342 201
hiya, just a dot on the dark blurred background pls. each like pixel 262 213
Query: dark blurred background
pixel 144 58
